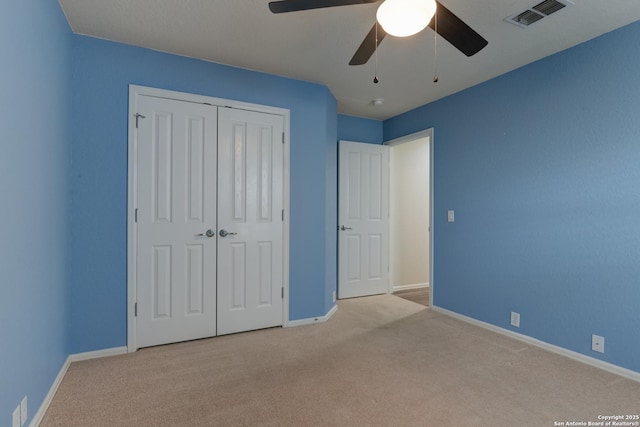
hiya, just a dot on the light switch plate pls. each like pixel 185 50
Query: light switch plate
pixel 451 216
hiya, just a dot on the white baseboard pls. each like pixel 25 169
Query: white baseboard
pixel 39 415
pixel 312 320
pixel 115 351
pixel 397 288
pixel 37 418
pixel 597 363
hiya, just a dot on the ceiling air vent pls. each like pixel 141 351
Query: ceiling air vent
pixel 537 12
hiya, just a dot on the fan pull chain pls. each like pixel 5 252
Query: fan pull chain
pixel 375 52
pixel 435 49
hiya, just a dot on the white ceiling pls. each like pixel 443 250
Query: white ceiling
pixel 316 45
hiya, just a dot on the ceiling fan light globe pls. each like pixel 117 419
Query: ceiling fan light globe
pixel 403 18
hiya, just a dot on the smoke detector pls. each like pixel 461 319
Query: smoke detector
pixel 538 12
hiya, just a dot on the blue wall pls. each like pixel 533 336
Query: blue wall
pixel 35 42
pixel 546 189
pixel 358 129
pixel 102 71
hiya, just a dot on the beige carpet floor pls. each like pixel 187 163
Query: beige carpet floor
pixel 379 361
pixel 419 295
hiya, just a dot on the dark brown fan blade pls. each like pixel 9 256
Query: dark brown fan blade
pixel 284 6
pixel 456 32
pixel 368 46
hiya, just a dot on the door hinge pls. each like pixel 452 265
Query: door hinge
pixel 139 116
pixel 283 137
pixel 282 215
pixel 135 215
pixel 135 309
pixel 282 293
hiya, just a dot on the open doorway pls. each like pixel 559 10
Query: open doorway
pixel 410 161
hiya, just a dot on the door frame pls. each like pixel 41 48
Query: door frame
pixel 409 138
pixel 136 91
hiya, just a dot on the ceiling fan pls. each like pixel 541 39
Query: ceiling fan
pixel 439 18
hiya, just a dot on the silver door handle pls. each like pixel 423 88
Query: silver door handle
pixel 345 228
pixel 208 233
pixel 225 233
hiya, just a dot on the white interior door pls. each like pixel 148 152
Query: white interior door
pixel 363 220
pixel 250 220
pixel 176 259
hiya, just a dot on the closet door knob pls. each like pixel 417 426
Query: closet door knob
pixel 208 233
pixel 225 233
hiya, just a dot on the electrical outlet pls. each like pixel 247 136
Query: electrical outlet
pixel 451 216
pixel 23 411
pixel 334 296
pixel 15 417
pixel 597 343
pixel 515 319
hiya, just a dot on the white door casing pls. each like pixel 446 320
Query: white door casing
pixel 251 210
pixel 363 220
pixel 176 260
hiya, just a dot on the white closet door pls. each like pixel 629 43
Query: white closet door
pixel 176 259
pixel 250 223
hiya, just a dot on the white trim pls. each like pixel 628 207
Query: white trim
pixel 132 230
pixel 579 357
pixel 39 416
pixel 42 410
pixel 397 288
pixel 287 210
pixel 432 175
pixel 427 133
pixel 312 320
pixel 202 99
pixel 115 351
pixel 134 92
